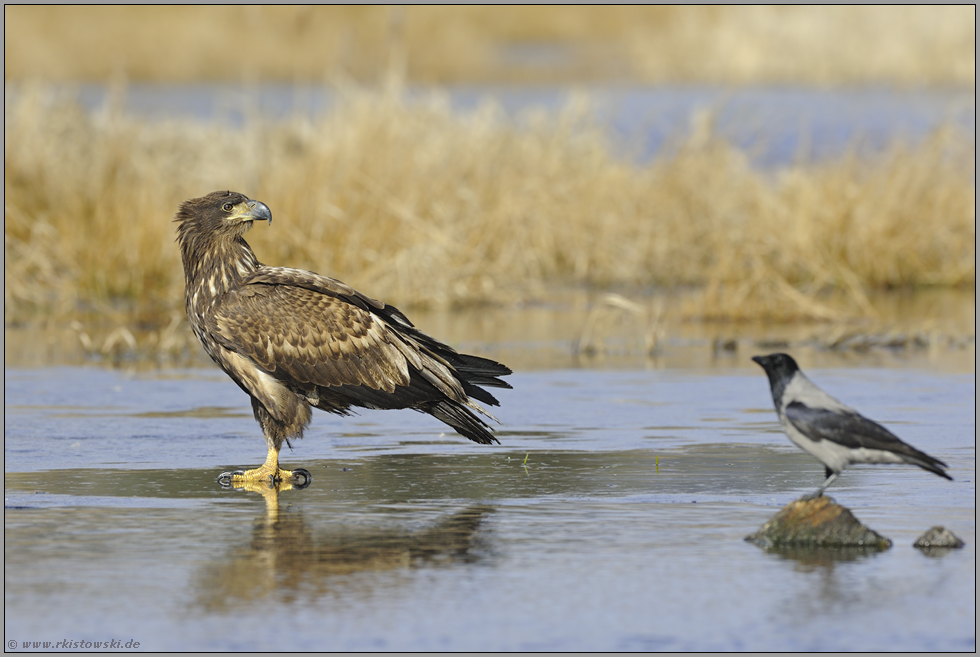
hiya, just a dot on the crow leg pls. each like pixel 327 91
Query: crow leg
pixel 831 478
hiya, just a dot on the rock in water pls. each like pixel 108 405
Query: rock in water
pixel 938 539
pixel 817 522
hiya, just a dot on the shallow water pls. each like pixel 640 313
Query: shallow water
pixel 611 517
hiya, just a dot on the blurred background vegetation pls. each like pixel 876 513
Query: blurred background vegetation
pixel 426 206
pixel 912 45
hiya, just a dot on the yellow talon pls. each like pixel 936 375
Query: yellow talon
pixel 268 474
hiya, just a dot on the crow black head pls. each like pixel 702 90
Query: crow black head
pixel 780 365
pixel 780 368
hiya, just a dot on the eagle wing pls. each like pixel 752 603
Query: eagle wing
pixel 312 331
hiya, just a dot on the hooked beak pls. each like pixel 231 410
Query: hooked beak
pixel 248 211
pixel 257 210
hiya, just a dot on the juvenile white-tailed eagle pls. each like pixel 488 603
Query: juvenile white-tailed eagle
pixel 293 339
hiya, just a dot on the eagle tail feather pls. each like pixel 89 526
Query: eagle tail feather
pixel 479 394
pixel 462 420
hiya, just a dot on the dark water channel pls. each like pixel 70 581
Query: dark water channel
pixel 611 517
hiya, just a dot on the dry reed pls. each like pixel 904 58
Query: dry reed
pixel 903 45
pixel 420 205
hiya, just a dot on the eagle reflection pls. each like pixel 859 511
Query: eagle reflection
pixel 287 560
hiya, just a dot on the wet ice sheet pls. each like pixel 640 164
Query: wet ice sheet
pixel 610 518
pixel 60 418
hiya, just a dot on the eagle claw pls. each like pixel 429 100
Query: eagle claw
pixel 225 478
pixel 301 478
pixel 297 479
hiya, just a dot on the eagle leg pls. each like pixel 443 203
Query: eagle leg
pixel 269 473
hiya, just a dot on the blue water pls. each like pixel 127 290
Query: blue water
pixel 611 517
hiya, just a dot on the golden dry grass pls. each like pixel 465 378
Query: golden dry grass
pixel 825 45
pixel 421 206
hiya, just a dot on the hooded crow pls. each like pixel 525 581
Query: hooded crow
pixel 834 433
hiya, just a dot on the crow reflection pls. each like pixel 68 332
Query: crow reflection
pixel 287 560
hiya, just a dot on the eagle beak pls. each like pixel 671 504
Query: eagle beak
pixel 248 211
pixel 258 210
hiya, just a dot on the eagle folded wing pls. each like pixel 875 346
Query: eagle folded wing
pixel 325 285
pixel 306 338
pixel 309 330
pixel 456 375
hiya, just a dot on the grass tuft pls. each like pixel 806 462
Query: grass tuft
pixel 422 206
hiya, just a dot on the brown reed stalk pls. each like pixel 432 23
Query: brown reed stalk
pixel 420 205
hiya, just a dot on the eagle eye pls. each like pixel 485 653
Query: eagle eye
pixel 227 207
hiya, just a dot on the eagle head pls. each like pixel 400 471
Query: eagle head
pixel 220 214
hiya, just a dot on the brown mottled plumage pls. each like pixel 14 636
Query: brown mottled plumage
pixel 293 339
